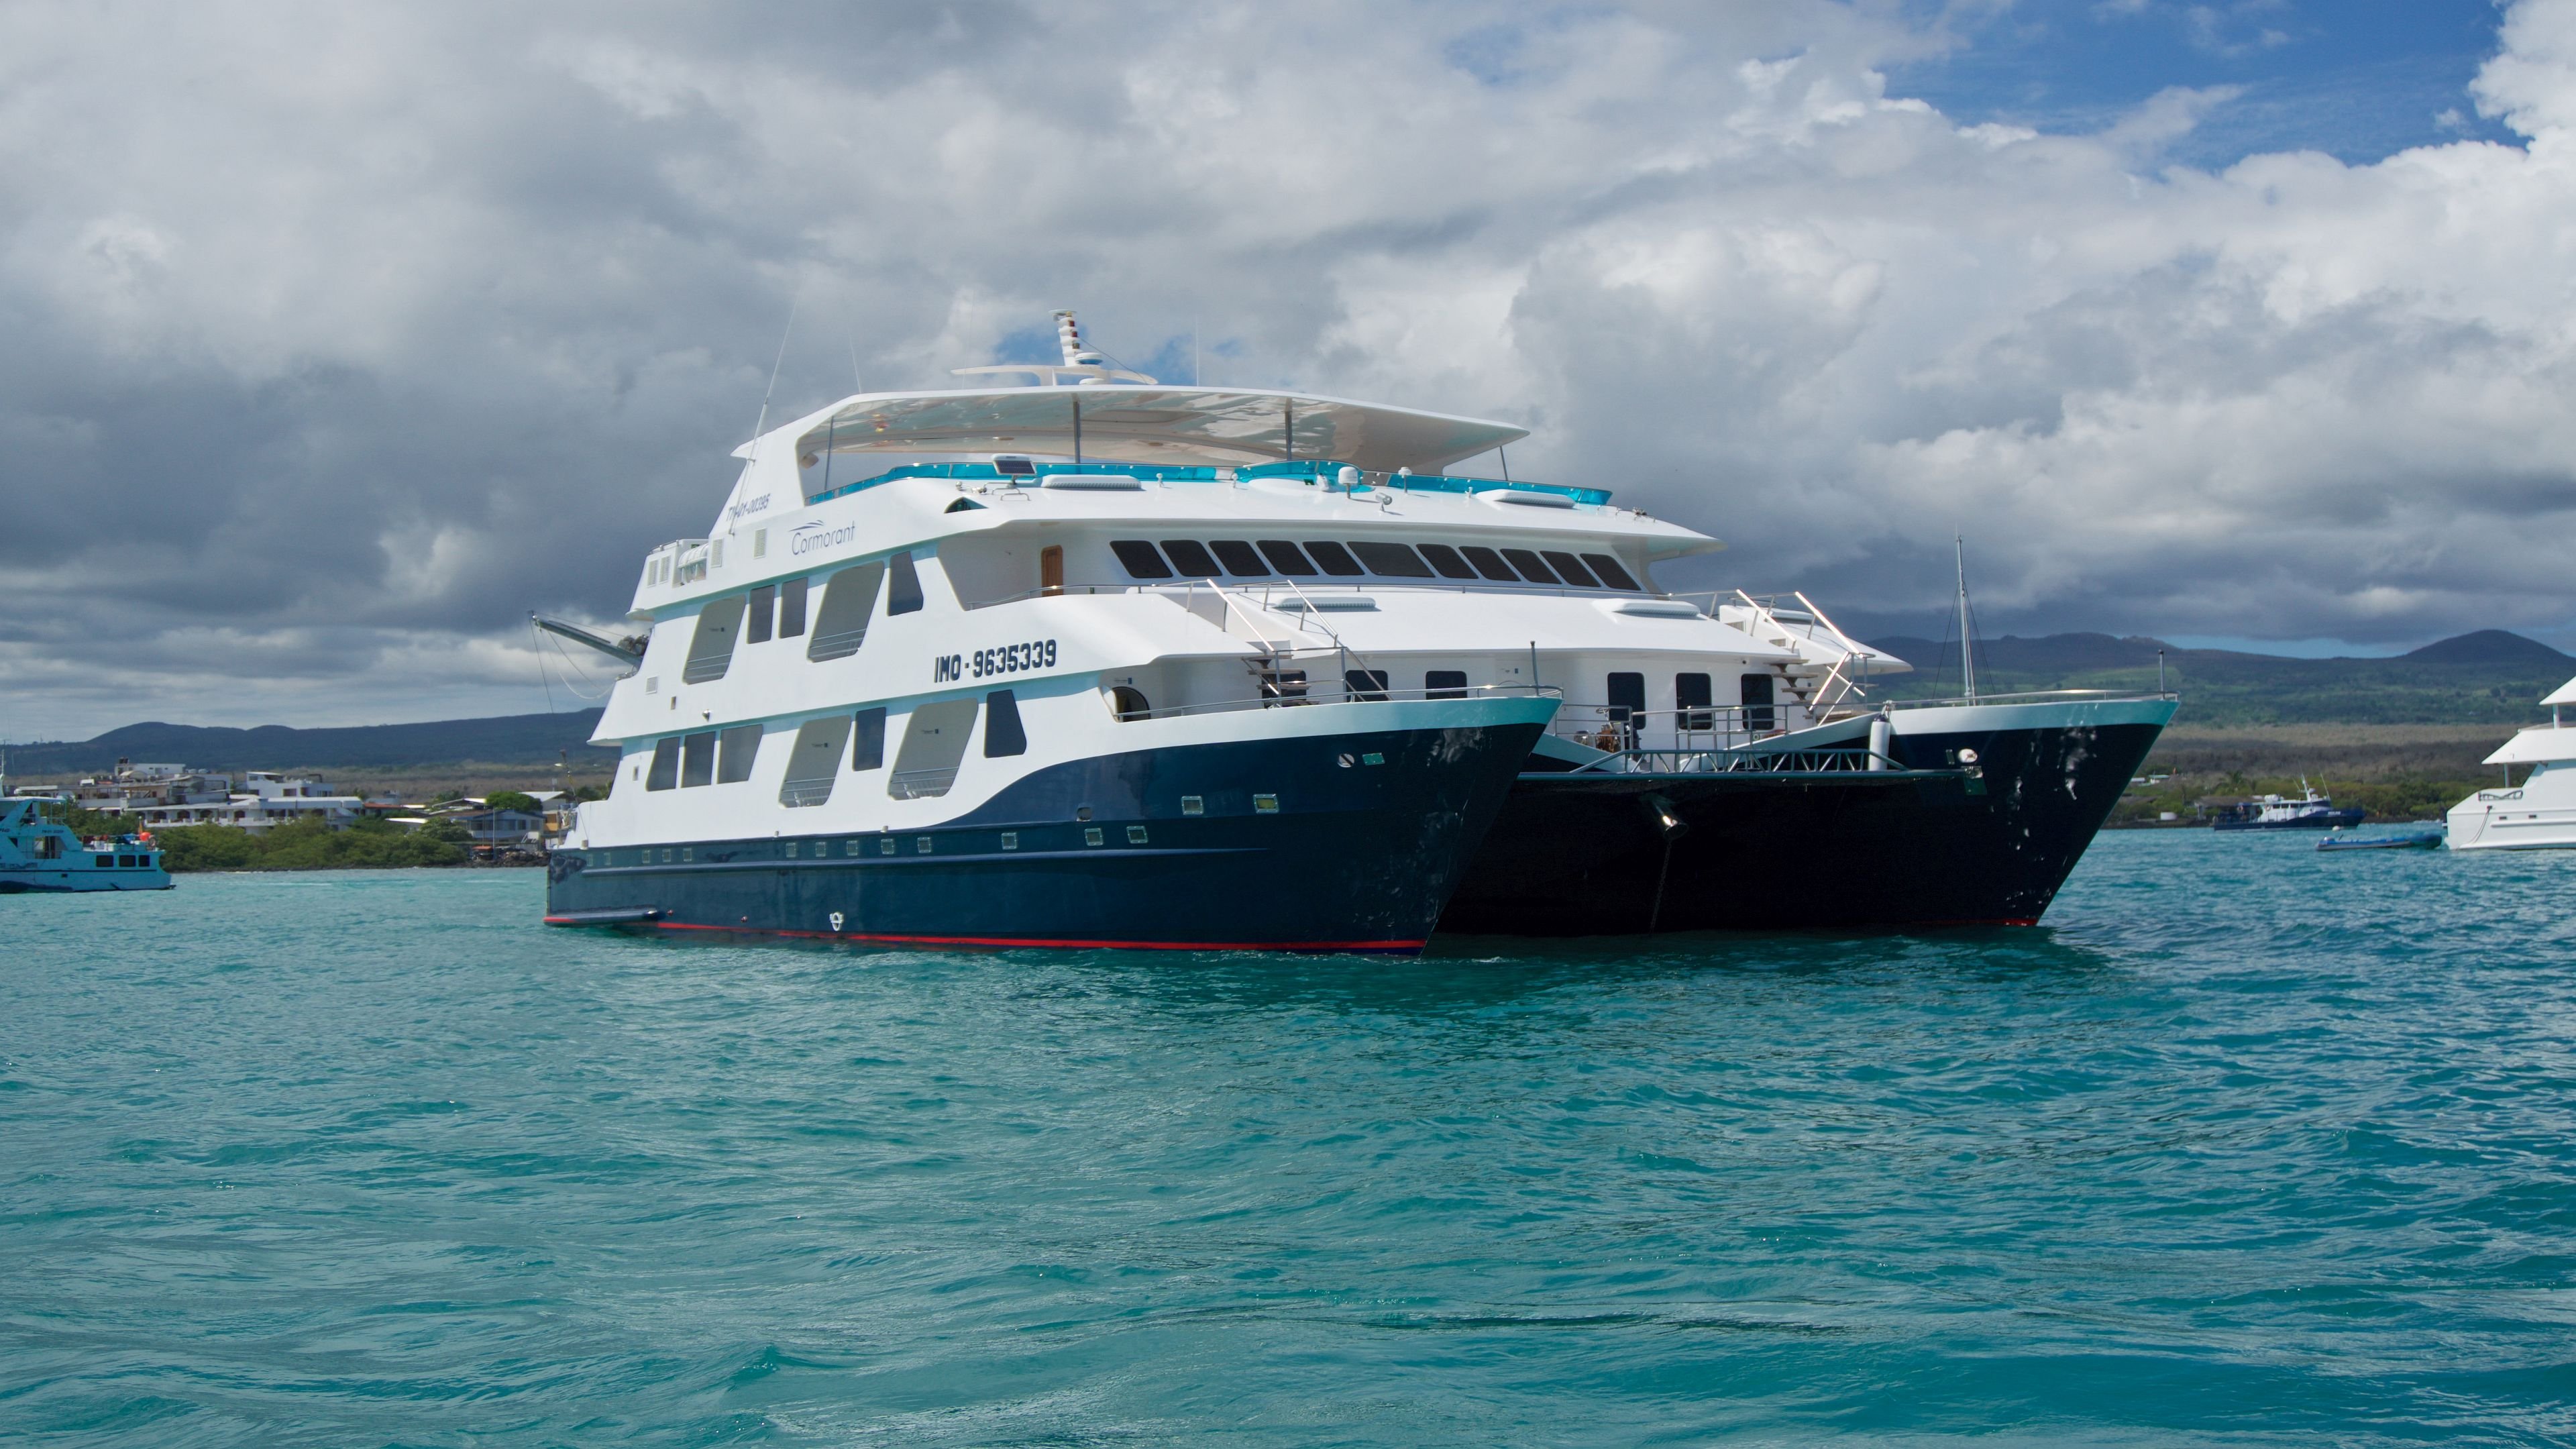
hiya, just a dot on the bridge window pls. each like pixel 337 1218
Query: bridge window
pixel 711 648
pixel 1139 559
pixel 1446 560
pixel 903 586
pixel 1336 560
pixel 665 773
pixel 1287 558
pixel 841 624
pixel 1003 734
pixel 1610 571
pixel 1571 569
pixel 814 762
pixel 1445 683
pixel 1490 564
pixel 1239 558
pixel 1531 569
pixel 764 613
pixel 737 748
pixel 1191 558
pixel 791 609
pixel 1393 560
pixel 697 759
pixel 867 739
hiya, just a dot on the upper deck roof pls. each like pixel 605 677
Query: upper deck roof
pixel 1187 426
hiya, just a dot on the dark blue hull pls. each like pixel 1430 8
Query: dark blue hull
pixel 1349 856
pixel 1933 844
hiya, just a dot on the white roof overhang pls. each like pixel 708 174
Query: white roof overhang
pixel 2563 694
pixel 1180 426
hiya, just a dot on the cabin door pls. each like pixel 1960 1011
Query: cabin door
pixel 1051 570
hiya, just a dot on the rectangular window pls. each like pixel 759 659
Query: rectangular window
pixel 1394 560
pixel 760 543
pixel 934 743
pixel 885 845
pixel 849 598
pixel 666 765
pixel 764 612
pixel 1240 558
pixel 1446 560
pixel 814 762
pixel 1135 835
pixel 1627 706
pixel 697 759
pixel 921 845
pixel 1140 559
pixel 1612 575
pixel 1191 558
pixel 791 609
pixel 1287 558
pixel 867 739
pixel 1445 683
pixel 1753 691
pixel 711 647
pixel 1692 697
pixel 1336 560
pixel 1571 569
pixel 903 586
pixel 1010 840
pixel 1490 564
pixel 1365 683
pixel 1002 732
pixel 791 850
pixel 1091 835
pixel 1531 569
pixel 1193 805
pixel 1265 804
pixel 737 748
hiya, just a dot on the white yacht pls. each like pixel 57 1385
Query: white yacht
pixel 2539 813
pixel 1185 665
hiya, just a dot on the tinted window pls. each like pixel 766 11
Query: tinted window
pixel 1604 565
pixel 1139 559
pixel 738 747
pixel 1191 557
pixel 1754 690
pixel 849 597
pixel 1490 564
pixel 1571 569
pixel 1692 693
pixel 1445 559
pixel 791 608
pixel 1365 683
pixel 903 585
pixel 1003 734
pixel 1336 559
pixel 867 739
pixel 1286 558
pixel 1394 560
pixel 666 765
pixel 1627 696
pixel 1238 558
pixel 1531 569
pixel 1445 683
pixel 698 759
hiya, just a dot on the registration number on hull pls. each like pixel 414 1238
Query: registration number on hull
pixel 990 663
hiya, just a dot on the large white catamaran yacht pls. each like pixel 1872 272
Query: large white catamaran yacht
pixel 1213 666
pixel 2539 813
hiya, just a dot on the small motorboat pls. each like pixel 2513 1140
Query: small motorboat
pixel 2412 840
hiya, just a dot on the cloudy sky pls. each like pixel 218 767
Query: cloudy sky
pixel 338 337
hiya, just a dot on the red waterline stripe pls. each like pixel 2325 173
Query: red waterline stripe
pixel 1018 940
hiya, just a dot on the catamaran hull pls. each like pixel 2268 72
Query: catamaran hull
pixel 1935 843
pixel 1366 838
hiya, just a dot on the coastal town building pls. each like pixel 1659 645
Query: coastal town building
pixel 157 796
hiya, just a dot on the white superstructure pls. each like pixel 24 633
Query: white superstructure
pixel 2540 812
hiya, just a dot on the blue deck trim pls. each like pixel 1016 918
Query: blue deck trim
pixel 1323 471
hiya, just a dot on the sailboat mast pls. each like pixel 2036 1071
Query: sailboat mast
pixel 1967 653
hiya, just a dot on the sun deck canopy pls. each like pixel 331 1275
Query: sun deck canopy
pixel 1190 426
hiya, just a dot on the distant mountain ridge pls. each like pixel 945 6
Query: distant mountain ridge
pixel 515 739
pixel 2102 651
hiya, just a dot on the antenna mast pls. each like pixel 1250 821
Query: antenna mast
pixel 1967 654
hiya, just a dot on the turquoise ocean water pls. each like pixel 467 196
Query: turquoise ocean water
pixel 2247 1144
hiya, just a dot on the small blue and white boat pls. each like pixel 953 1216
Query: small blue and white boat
pixel 38 853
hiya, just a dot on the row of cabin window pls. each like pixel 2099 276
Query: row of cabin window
pixel 1694 695
pixel 725 757
pixel 778 611
pixel 1278 557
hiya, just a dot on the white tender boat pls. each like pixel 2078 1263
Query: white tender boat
pixel 2539 813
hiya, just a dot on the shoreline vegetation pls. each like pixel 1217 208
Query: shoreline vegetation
pixel 309 844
